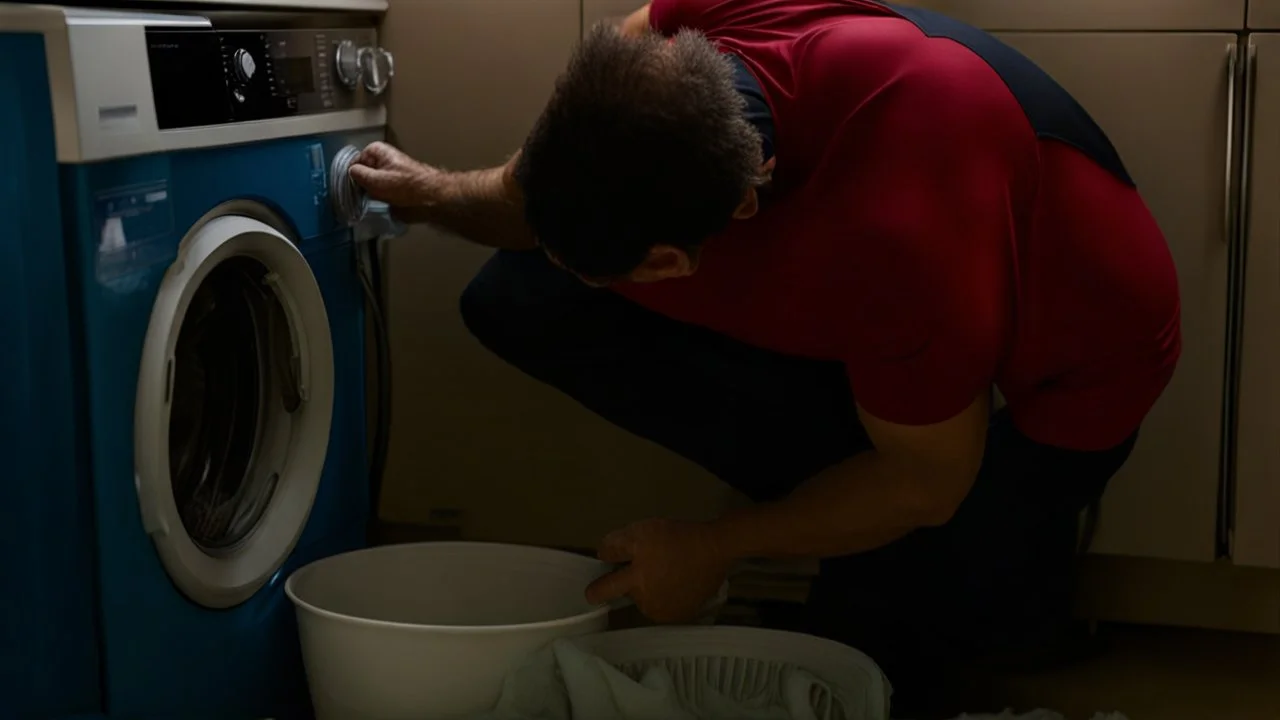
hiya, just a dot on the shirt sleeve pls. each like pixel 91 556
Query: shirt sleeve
pixel 928 178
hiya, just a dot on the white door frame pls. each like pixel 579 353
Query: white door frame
pixel 295 446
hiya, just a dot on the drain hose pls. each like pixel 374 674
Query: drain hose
pixel 351 205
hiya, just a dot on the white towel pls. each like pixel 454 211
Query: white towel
pixel 562 683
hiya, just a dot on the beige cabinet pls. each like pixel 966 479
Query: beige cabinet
pixel 1264 15
pixel 476 443
pixel 1162 98
pixel 1256 497
pixel 1107 15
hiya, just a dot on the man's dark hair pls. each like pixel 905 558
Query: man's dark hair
pixel 643 142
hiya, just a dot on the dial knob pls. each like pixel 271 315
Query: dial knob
pixel 244 65
pixel 346 61
pixel 379 68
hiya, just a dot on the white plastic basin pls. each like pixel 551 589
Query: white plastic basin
pixel 429 630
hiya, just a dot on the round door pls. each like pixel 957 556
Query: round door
pixel 234 405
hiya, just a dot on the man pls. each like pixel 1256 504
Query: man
pixel 799 241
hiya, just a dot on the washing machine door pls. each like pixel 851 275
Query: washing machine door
pixel 233 410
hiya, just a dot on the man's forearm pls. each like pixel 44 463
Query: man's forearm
pixel 858 505
pixel 483 206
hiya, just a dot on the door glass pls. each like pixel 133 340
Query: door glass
pixel 232 379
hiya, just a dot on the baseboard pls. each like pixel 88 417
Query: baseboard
pixel 1215 596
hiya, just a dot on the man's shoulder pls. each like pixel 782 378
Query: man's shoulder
pixel 890 58
pixel 885 88
pixel 727 16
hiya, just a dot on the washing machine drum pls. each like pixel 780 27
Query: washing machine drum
pixel 234 405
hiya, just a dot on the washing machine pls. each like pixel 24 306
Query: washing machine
pixel 47 609
pixel 191 339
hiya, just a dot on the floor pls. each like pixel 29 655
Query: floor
pixel 1160 674
pixel 1143 672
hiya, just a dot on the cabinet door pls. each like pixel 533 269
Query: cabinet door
pixel 1257 486
pixel 1264 15
pixel 476 443
pixel 1092 14
pixel 1162 98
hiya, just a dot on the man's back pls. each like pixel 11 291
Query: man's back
pixel 946 217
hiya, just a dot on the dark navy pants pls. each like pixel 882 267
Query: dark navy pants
pixel 997 577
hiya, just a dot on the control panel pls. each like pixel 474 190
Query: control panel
pixel 206 76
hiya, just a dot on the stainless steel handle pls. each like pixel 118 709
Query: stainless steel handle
pixel 1225 517
pixel 1246 143
pixel 1237 227
pixel 1228 207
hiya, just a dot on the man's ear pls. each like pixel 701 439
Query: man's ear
pixel 663 263
pixel 749 206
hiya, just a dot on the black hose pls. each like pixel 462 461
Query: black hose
pixel 371 280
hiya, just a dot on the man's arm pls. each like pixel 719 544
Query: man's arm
pixel 915 477
pixel 484 206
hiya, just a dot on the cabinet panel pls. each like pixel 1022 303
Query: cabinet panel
pixel 1264 14
pixel 520 461
pixel 1162 99
pixel 1092 14
pixel 472 75
pixel 1257 506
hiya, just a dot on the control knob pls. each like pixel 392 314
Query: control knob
pixel 379 68
pixel 244 65
pixel 347 64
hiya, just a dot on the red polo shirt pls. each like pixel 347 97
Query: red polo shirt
pixel 947 219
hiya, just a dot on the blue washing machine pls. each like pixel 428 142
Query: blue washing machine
pixel 48 629
pixel 192 423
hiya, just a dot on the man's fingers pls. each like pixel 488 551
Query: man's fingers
pixel 376 154
pixel 612 586
pixel 366 176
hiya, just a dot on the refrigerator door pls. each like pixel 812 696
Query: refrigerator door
pixel 1257 482
pixel 1162 98
pixel 1093 14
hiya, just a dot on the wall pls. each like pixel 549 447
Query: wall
pixel 525 463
